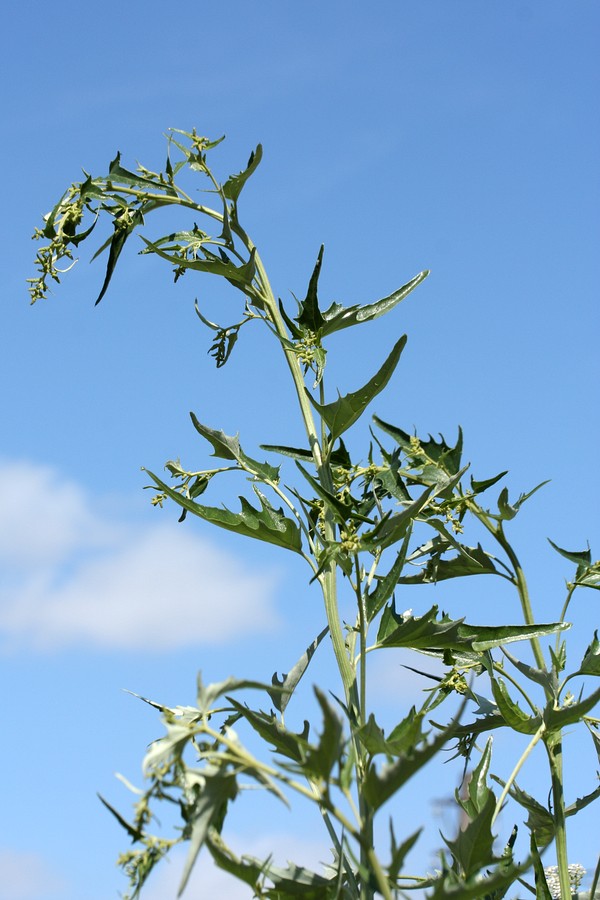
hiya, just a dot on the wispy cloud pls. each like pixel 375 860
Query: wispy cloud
pixel 71 575
pixel 27 876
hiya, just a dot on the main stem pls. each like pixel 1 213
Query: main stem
pixel 329 577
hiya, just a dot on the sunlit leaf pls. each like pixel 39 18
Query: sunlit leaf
pixel 556 719
pixel 590 664
pixel 581 558
pixel 227 447
pixel 338 317
pixel 420 451
pixel 234 184
pixel 310 315
pixel 266 524
pixel 285 687
pixel 219 787
pixel 345 411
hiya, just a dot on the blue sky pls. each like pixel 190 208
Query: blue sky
pixel 456 136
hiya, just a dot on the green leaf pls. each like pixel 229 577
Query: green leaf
pixel 341 510
pixel 267 524
pixel 116 172
pixel 285 687
pixel 292 452
pixel 240 276
pixel 226 447
pixel 320 759
pixel 478 487
pixel 287 743
pixel 508 511
pixel 590 664
pixel 511 712
pixel 581 558
pixel 582 802
pixel 310 315
pixel 345 411
pixel 219 787
pixel 540 821
pixel 473 847
pixel 438 453
pixel 542 892
pixel 380 786
pixel 471 561
pixel 376 599
pixel 556 719
pixel 117 243
pixel 134 833
pixel 404 736
pixel 338 317
pixel 208 694
pixel 234 184
pixel 427 633
pixel 399 852
pixel 539 676
pixel 392 528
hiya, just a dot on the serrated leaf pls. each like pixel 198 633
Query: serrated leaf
pixel 345 411
pixel 428 633
pixel 393 528
pixel 378 787
pixel 556 719
pixel 234 184
pixel 123 176
pixel 472 561
pixel 435 452
pixel 403 737
pixel 286 743
pixel 473 846
pixel 239 275
pixel 227 447
pixel 285 687
pixel 320 759
pixel 539 676
pixel 266 524
pixel 338 317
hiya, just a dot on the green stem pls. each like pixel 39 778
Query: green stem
pixel 535 740
pixel 555 757
pixel 328 579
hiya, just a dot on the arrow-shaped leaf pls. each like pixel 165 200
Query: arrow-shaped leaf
pixel 345 411
pixel 338 317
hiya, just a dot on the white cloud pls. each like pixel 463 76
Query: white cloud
pixel 74 577
pixel 27 876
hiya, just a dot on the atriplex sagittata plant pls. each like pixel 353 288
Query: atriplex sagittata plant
pixel 370 528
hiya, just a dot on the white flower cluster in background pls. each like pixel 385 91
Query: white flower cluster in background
pixel 576 873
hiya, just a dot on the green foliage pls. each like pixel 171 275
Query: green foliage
pixel 368 528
